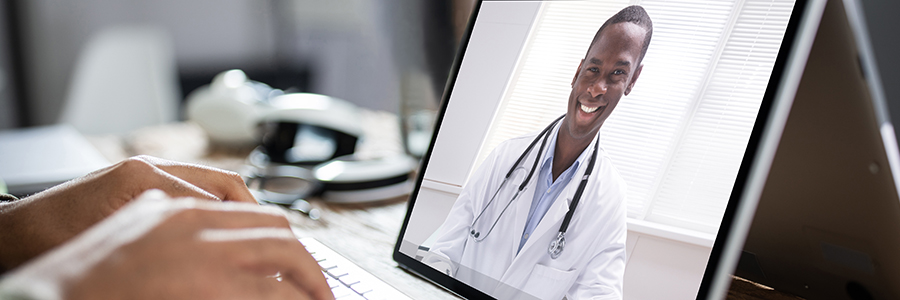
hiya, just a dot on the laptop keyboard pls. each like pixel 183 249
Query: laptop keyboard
pixel 347 280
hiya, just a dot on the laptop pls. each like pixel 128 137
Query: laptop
pixel 682 161
pixel 826 222
pixel 37 158
pixel 676 169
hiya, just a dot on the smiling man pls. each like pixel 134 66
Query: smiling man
pixel 515 228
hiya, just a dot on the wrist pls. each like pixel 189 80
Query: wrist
pixel 27 232
pixel 12 238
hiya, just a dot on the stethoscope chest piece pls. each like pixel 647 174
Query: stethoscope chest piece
pixel 557 245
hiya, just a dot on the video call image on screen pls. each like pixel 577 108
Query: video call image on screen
pixel 667 93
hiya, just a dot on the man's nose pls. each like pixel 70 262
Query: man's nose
pixel 597 89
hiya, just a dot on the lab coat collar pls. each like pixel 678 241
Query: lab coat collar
pixel 582 160
pixel 523 205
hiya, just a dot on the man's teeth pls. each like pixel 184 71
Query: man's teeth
pixel 588 109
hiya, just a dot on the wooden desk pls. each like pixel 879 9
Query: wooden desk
pixel 365 234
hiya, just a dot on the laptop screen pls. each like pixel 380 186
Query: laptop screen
pixel 591 148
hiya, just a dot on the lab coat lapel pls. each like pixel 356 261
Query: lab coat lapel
pixel 549 223
pixel 560 206
pixel 523 206
pixel 579 174
pixel 554 216
pixel 536 247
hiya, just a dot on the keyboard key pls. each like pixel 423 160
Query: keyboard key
pixel 342 291
pixel 349 279
pixel 336 272
pixel 327 264
pixel 332 283
pixel 361 287
pixel 318 257
pixel 374 295
pixel 351 297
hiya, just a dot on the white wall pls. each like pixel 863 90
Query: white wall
pixel 662 268
pixel 490 59
pixel 492 54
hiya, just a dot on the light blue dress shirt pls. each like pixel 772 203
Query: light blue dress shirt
pixel 546 190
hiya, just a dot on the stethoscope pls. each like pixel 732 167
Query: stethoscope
pixel 558 244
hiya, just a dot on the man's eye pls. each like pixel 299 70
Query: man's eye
pixel 594 69
pixel 618 72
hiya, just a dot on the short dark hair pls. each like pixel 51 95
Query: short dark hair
pixel 631 14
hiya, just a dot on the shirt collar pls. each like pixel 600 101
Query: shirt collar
pixel 550 151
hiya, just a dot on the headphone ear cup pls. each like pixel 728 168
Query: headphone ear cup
pixel 309 129
pixel 304 144
pixel 349 179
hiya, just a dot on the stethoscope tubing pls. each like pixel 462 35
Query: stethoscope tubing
pixel 475 234
pixel 578 192
pixel 556 246
pixel 542 136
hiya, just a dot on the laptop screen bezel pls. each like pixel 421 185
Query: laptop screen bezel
pixel 727 226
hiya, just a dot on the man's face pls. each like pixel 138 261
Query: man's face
pixel 606 74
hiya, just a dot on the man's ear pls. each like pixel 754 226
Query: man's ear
pixel 577 72
pixel 634 78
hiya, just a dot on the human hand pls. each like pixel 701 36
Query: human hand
pixel 157 248
pixel 45 220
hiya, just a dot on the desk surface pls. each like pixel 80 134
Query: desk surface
pixel 364 233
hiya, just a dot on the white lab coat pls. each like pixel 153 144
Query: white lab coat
pixel 592 264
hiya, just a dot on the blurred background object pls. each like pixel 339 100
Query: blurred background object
pixel 377 54
pixel 34 159
pixel 230 107
pixel 123 80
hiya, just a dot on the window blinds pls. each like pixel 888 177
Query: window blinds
pixel 679 137
pixel 703 167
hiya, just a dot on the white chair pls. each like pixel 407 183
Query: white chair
pixel 125 78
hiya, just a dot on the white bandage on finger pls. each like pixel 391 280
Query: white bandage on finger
pixel 242 234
